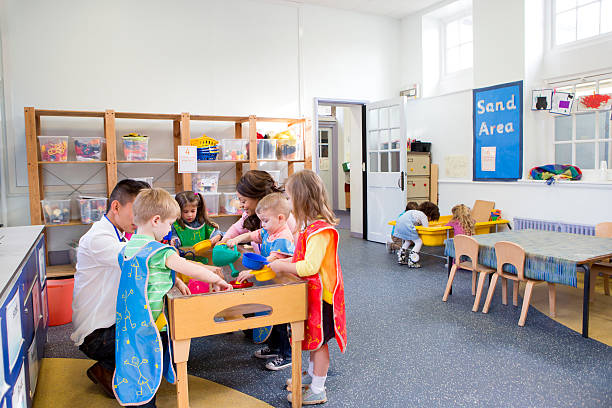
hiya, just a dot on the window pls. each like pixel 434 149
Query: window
pixel 458 45
pixel 579 19
pixel 324 136
pixel 583 138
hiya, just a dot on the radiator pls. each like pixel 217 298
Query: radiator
pixel 524 223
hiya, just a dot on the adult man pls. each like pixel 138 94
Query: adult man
pixel 96 281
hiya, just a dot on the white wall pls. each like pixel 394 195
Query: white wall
pixel 235 57
pixel 510 43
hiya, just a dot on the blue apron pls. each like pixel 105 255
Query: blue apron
pixel 140 359
pixel 281 245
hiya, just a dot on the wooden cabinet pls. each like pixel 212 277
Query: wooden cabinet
pixel 418 180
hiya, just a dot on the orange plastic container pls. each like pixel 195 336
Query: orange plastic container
pixel 60 301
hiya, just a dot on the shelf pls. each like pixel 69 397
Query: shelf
pixel 82 114
pixel 74 162
pixel 134 115
pixel 147 161
pixel 237 119
pixel 224 215
pixel 222 161
pixel 280 161
pixel 60 271
pixel 70 224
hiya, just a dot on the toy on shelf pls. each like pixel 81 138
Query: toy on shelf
pixel 205 182
pixel 208 148
pixel 222 255
pixel 56 211
pixel 53 148
pixel 495 215
pixel 234 149
pixel 287 145
pixel 258 266
pixel 92 209
pixel 88 148
pixel 135 146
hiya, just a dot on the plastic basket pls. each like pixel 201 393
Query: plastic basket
pixel 203 141
pixel 208 153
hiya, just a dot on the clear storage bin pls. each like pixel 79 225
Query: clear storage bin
pixel 205 182
pixel 92 209
pixel 234 149
pixel 289 149
pixel 266 149
pixel 53 148
pixel 135 147
pixel 230 204
pixel 56 211
pixel 148 180
pixel 212 202
pixel 88 148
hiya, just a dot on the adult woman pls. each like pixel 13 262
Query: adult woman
pixel 252 187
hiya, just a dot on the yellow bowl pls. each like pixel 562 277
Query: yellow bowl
pixel 264 274
pixel 202 247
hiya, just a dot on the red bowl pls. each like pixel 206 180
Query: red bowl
pixel 244 284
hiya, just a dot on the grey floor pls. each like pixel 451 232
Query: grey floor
pixel 409 349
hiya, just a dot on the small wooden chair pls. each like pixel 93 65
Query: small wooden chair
pixel 468 246
pixel 604 230
pixel 513 254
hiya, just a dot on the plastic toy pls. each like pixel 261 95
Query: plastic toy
pixel 222 255
pixel 258 266
pixel 135 146
pixel 242 285
pixel 54 150
pixel 495 215
pixel 88 149
pixel 208 148
pixel 56 215
pixel 201 247
pixel 92 209
pixel 196 286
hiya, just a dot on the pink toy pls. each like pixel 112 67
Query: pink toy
pixel 195 286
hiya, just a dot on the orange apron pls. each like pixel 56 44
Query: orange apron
pixel 313 335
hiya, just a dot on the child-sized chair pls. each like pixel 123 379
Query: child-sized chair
pixel 513 254
pixel 604 269
pixel 468 247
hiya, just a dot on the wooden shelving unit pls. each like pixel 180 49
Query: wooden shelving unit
pixel 180 135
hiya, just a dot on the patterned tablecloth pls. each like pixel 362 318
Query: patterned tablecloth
pixel 551 256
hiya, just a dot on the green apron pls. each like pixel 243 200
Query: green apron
pixel 191 236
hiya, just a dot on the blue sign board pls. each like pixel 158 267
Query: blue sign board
pixel 498 132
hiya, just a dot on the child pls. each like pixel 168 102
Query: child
pixel 147 274
pixel 405 229
pixel 276 242
pixel 193 225
pixel 396 243
pixel 316 261
pixel 462 221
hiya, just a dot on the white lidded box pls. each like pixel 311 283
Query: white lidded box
pixel 230 204
pixel 92 208
pixel 56 211
pixel 205 181
pixel 212 202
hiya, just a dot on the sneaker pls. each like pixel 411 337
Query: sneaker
pixel 402 257
pixel 413 264
pixel 266 353
pixel 278 363
pixel 306 381
pixel 310 398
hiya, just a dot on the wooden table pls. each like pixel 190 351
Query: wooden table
pixel 194 316
pixel 550 256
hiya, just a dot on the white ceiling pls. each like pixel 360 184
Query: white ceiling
pixel 391 8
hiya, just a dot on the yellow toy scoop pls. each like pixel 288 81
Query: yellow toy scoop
pixel 202 247
pixel 264 274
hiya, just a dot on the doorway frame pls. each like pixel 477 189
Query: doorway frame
pixel 347 103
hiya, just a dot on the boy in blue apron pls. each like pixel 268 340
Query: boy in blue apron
pixel 142 343
pixel 275 241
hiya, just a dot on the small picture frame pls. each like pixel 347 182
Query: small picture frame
pixel 541 99
pixel 562 103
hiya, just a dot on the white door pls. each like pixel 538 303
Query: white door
pixel 325 158
pixel 386 166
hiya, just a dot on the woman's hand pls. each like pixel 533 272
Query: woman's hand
pixel 244 275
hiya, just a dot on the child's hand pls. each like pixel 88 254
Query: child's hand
pixel 244 275
pixel 180 285
pixel 174 242
pixel 277 266
pixel 231 243
pixel 217 270
pixel 215 239
pixel 222 285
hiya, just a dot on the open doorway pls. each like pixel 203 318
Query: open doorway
pixel 338 159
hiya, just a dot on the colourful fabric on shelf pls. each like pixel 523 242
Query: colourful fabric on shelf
pixel 561 171
pixel 550 256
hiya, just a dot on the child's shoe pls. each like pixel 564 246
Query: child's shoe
pixel 279 363
pixel 402 257
pixel 310 398
pixel 413 259
pixel 266 353
pixel 306 381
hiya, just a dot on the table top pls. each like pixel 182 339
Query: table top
pixel 15 243
pixel 550 256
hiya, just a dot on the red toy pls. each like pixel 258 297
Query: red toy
pixel 195 286
pixel 244 284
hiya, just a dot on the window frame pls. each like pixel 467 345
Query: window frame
pixel 577 42
pixel 570 86
pixel 444 22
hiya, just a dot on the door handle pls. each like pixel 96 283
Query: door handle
pixel 400 182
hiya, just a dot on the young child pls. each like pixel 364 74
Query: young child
pixel 193 225
pixel 396 243
pixel 275 241
pixel 147 274
pixel 462 221
pixel 316 261
pixel 405 229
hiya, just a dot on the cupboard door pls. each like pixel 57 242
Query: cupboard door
pixel 417 187
pixel 417 165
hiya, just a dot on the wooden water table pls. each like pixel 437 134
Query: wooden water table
pixel 223 312
pixel 437 232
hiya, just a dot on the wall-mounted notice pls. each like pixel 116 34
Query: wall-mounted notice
pixel 594 102
pixel 498 132
pixel 456 166
pixel 187 159
pixel 562 103
pixel 541 99
pixel 13 329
